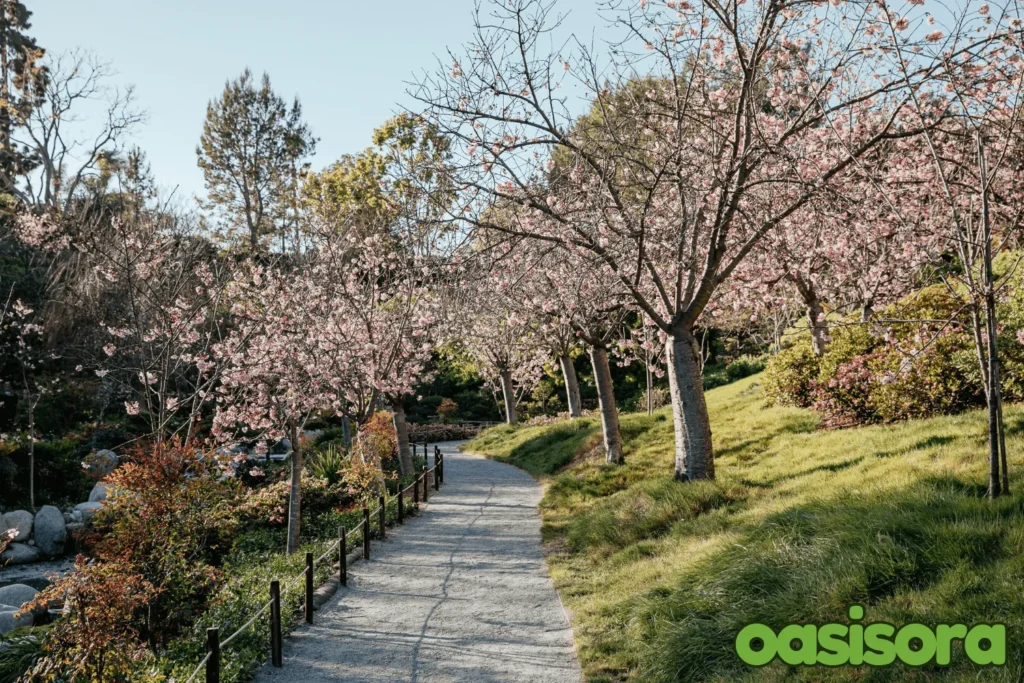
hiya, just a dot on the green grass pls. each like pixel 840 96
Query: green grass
pixel 659 576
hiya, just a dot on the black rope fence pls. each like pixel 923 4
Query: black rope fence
pixel 429 477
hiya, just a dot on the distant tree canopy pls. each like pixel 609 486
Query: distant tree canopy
pixel 251 152
pixel 22 85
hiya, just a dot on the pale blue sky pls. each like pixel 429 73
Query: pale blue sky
pixel 347 60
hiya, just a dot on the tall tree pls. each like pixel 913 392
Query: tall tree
pixel 22 83
pixel 729 141
pixel 251 147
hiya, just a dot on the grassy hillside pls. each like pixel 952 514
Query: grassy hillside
pixel 660 576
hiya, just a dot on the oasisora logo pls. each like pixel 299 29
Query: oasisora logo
pixel 876 644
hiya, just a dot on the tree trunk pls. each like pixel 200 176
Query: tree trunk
pixel 295 494
pixel 997 441
pixel 402 430
pixel 650 387
pixel 509 394
pixel 572 386
pixel 346 431
pixel 32 456
pixel 867 312
pixel 815 316
pixel 606 402
pixel 694 455
pixel 819 333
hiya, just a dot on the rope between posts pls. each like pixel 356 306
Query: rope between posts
pixel 364 526
pixel 328 551
pixel 199 668
pixel 247 624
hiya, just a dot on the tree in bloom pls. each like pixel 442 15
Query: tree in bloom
pixel 849 250
pixel 712 123
pixel 372 220
pixel 145 278
pixel 348 327
pixel 568 294
pixel 378 302
pixel 644 344
pixel 961 181
pixel 277 366
pixel 20 341
pixel 497 335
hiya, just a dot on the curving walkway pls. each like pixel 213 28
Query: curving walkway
pixel 461 593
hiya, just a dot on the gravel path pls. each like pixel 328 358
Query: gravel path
pixel 461 593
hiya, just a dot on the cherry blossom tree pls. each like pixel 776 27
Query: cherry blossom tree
pixel 276 362
pixel 373 224
pixel 21 341
pixel 645 344
pixel 961 179
pixel 496 334
pixel 566 292
pixel 849 250
pixel 712 123
pixel 153 286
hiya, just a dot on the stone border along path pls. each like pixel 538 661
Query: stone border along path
pixel 461 593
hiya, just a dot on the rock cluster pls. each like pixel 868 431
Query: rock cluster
pixel 12 599
pixel 47 533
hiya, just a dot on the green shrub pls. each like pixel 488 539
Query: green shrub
pixel 789 374
pixel 846 343
pixel 327 463
pixel 59 477
pixel 932 381
pixel 19 651
pixel 745 366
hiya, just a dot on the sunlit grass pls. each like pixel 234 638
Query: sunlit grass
pixel 659 576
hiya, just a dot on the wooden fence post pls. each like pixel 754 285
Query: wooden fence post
pixel 401 507
pixel 213 663
pixel 343 557
pixel 437 470
pixel 416 492
pixel 383 518
pixel 275 624
pixel 366 533
pixel 309 588
pixel 426 485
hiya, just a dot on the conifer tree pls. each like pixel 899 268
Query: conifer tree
pixel 22 85
pixel 251 145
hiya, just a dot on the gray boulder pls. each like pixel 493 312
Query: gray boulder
pixel 12 620
pixel 88 510
pixel 51 531
pixel 103 463
pixel 22 521
pixel 98 493
pixel 18 553
pixel 17 594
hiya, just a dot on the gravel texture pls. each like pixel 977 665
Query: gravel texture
pixel 460 593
